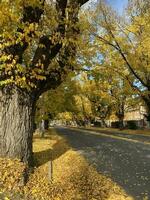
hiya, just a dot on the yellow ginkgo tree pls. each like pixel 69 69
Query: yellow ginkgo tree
pixel 38 41
pixel 124 44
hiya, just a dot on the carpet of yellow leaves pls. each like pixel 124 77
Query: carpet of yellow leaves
pixel 60 174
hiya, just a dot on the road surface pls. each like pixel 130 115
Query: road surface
pixel 125 160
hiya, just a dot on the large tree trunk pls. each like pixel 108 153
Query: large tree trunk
pixel 16 124
pixel 16 106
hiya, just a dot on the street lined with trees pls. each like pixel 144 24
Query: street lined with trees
pixel 79 63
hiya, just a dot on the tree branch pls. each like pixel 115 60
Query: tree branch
pixel 45 53
pixel 81 2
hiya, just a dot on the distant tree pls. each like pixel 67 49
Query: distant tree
pixel 67 98
pixel 56 101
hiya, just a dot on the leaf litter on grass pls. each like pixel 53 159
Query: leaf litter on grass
pixel 73 177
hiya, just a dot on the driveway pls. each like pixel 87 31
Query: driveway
pixel 125 160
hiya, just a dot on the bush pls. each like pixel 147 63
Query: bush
pixel 132 125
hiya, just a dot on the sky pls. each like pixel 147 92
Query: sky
pixel 118 5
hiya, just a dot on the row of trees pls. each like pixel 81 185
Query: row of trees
pixel 121 45
pixel 83 99
pixel 115 57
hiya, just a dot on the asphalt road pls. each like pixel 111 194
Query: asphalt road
pixel 127 162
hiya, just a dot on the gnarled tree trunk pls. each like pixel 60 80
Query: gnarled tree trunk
pixel 17 110
pixel 17 106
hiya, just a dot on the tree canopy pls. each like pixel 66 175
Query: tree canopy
pixel 38 42
pixel 121 45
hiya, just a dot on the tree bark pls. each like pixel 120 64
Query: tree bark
pixel 17 106
pixel 121 124
pixel 120 116
pixel 17 109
